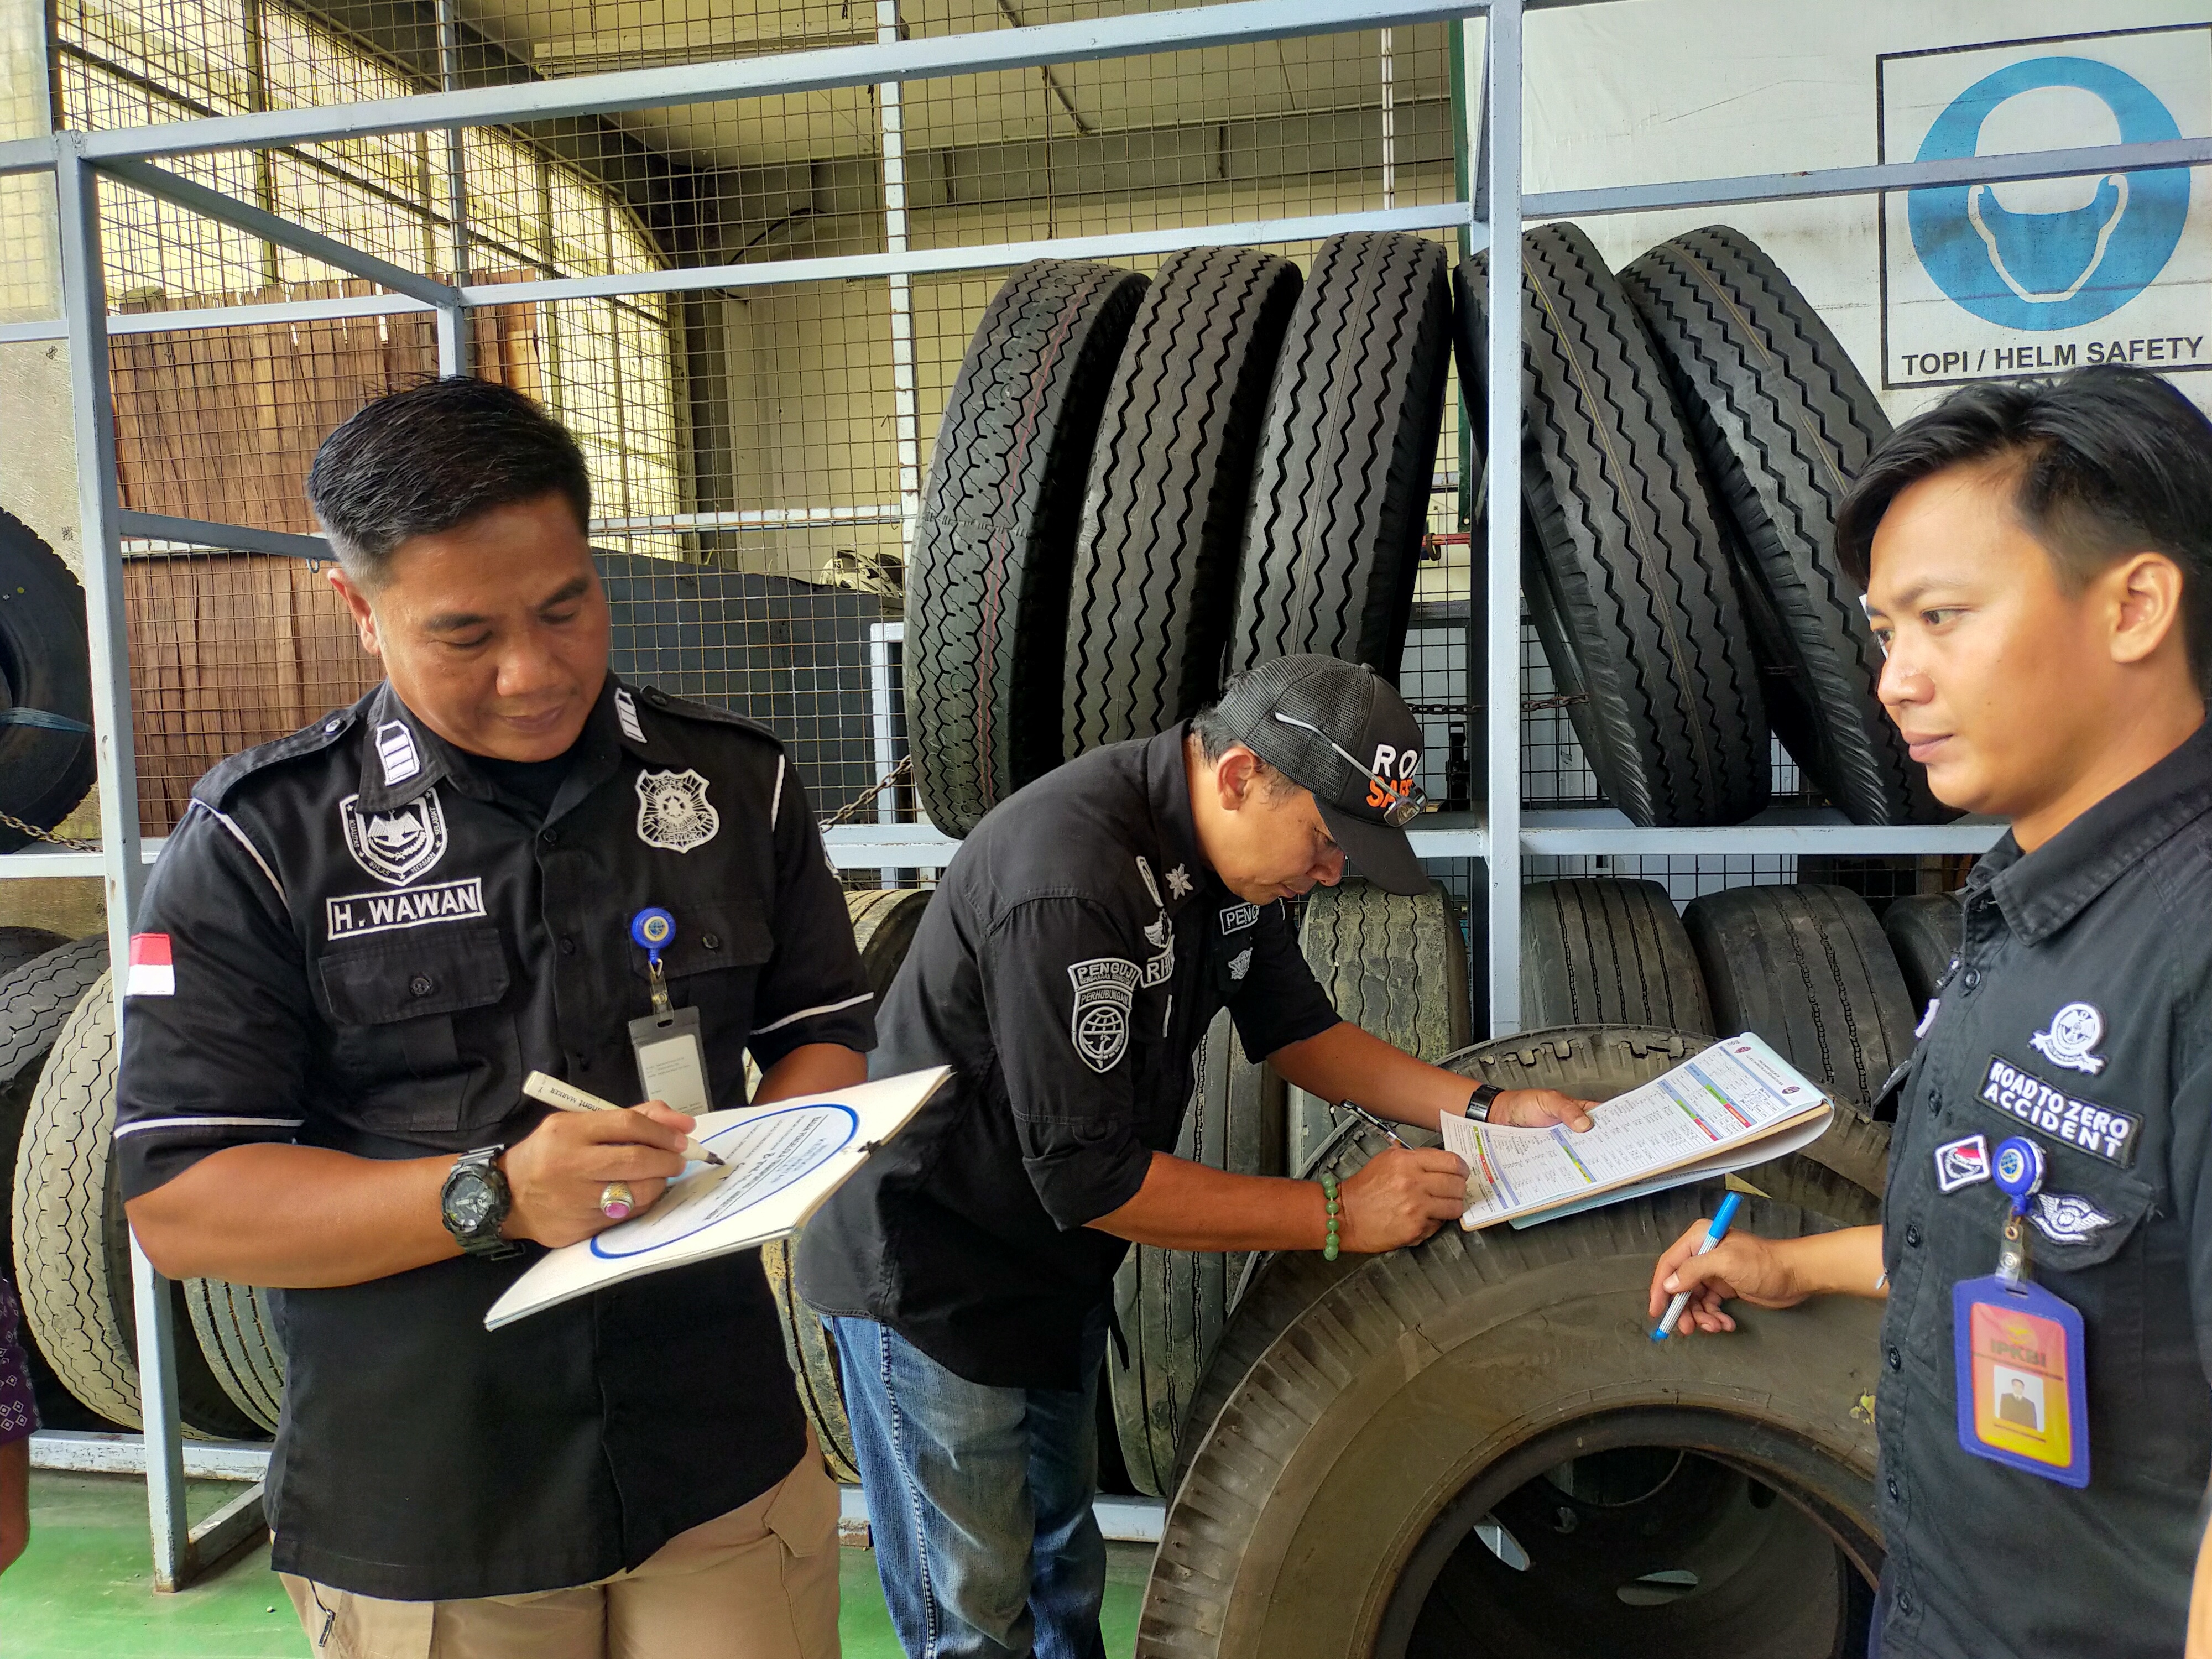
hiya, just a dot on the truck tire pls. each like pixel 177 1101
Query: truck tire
pixel 236 1328
pixel 1627 571
pixel 1924 934
pixel 883 923
pixel 814 1370
pixel 1807 968
pixel 72 1243
pixel 987 593
pixel 1508 1380
pixel 46 685
pixel 1608 951
pixel 1155 583
pixel 1169 1304
pixel 1785 421
pixel 21 944
pixel 1341 491
pixel 1395 967
pixel 35 1001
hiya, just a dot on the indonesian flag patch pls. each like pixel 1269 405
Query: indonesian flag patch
pixel 151 975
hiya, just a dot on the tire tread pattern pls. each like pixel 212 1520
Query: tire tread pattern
pixel 1598 950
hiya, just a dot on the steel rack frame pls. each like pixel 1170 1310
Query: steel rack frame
pixel 1496 210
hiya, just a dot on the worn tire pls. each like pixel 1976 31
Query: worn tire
pixel 1329 1509
pixel 1924 934
pixel 1785 421
pixel 21 944
pixel 236 1329
pixel 1608 951
pixel 36 1001
pixel 1170 1304
pixel 72 1243
pixel 45 664
pixel 1395 967
pixel 813 1358
pixel 1807 968
pixel 1626 570
pixel 1155 583
pixel 1341 490
pixel 987 590
pixel 883 923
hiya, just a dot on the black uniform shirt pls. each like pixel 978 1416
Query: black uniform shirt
pixel 371 947
pixel 1073 956
pixel 2079 1015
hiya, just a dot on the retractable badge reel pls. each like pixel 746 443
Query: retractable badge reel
pixel 2023 1384
pixel 671 1062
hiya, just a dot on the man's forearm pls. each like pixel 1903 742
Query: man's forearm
pixel 813 1069
pixel 1184 1206
pixel 296 1218
pixel 1844 1263
pixel 1346 1063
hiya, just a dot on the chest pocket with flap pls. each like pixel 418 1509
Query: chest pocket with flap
pixel 420 1039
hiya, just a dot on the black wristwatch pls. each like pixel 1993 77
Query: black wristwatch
pixel 474 1203
pixel 1478 1103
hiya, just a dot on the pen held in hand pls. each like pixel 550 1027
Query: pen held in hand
pixel 1715 1229
pixel 568 1098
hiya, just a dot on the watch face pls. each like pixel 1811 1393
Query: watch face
pixel 470 1202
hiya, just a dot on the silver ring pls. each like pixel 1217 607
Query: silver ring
pixel 616 1201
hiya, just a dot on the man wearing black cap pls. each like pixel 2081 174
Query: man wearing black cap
pixel 1080 942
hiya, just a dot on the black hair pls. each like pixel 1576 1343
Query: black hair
pixel 2111 461
pixel 433 456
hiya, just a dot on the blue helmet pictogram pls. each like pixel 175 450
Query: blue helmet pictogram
pixel 2050 271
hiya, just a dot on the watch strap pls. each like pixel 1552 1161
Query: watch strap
pixel 1480 1102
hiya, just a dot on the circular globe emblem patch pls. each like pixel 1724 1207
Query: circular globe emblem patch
pixel 2045 271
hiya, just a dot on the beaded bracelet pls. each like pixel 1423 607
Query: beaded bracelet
pixel 1335 1210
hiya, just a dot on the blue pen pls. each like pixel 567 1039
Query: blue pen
pixel 1715 1229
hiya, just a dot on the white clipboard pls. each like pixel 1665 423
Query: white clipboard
pixel 781 1161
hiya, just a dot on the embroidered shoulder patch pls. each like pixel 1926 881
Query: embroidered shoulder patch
pixel 1105 990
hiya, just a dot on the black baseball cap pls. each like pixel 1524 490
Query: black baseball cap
pixel 1342 730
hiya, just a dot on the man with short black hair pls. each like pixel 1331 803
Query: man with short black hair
pixel 1080 942
pixel 2039 562
pixel 357 943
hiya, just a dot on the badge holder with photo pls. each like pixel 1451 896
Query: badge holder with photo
pixel 671 1061
pixel 2022 1377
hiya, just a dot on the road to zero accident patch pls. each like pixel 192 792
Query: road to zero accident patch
pixel 2098 1130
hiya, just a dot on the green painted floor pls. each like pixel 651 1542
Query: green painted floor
pixel 81 1588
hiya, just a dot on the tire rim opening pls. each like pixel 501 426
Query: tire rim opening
pixel 1638 1543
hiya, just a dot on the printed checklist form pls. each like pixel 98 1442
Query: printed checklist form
pixel 1735 1104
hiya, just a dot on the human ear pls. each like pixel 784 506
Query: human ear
pixel 1234 778
pixel 357 601
pixel 2145 595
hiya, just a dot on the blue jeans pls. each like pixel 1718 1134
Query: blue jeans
pixel 980 1501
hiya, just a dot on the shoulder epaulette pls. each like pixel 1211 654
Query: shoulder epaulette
pixel 687 709
pixel 227 775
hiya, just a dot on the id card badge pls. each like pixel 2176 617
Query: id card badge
pixel 671 1063
pixel 2023 1382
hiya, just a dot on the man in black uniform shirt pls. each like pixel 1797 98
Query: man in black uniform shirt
pixel 1082 938
pixel 2041 582
pixel 357 943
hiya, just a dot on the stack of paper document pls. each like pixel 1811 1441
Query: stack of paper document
pixel 779 1162
pixel 1735 1104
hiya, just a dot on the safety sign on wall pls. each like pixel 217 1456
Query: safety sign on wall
pixel 1984 281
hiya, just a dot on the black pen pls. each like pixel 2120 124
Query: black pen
pixel 1372 1121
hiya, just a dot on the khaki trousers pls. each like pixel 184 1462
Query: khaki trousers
pixel 758 1583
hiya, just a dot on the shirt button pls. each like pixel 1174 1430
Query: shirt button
pixel 1896 1493
pixel 1970 978
pixel 550 837
pixel 1912 1237
pixel 331 729
pixel 568 946
pixel 1896 1359
pixel 712 941
pixel 1905 1602
pixel 421 985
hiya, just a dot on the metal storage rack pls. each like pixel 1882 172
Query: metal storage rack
pixel 1495 211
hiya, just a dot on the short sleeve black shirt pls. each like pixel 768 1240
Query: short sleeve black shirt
pixel 372 944
pixel 1076 950
pixel 2078 1015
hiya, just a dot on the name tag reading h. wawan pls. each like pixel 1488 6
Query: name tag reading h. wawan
pixel 406 907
